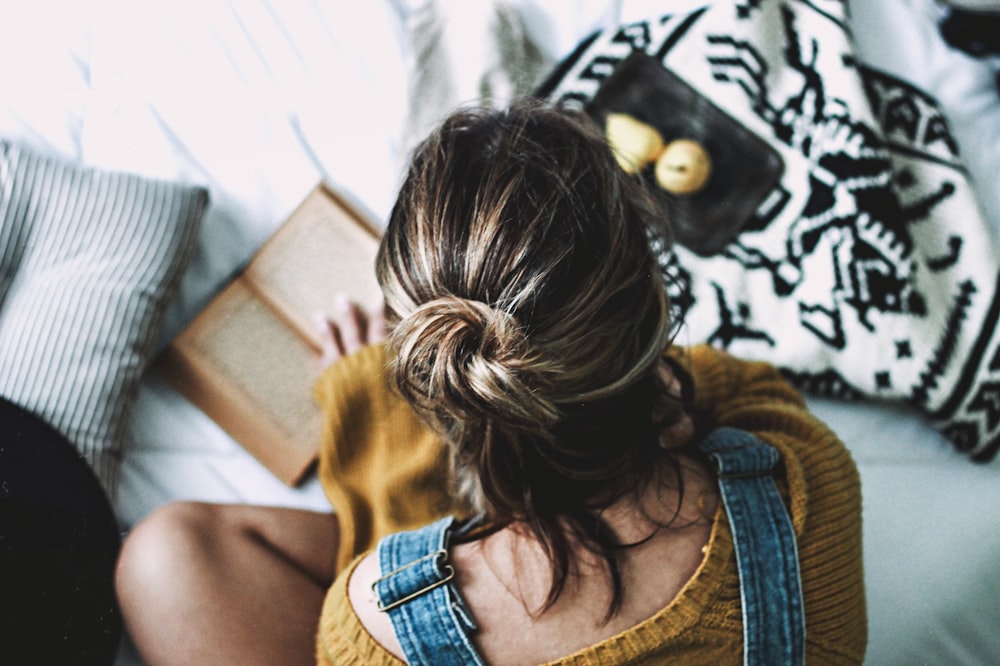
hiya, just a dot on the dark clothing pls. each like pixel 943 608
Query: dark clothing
pixel 59 542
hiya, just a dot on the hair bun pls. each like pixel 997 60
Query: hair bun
pixel 462 360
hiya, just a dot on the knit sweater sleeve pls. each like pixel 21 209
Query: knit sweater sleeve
pixel 382 469
pixel 822 488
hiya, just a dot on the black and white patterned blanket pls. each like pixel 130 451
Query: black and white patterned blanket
pixel 868 272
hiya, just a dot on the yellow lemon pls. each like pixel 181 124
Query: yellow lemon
pixel 634 143
pixel 683 167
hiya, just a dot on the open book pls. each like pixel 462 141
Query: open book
pixel 248 360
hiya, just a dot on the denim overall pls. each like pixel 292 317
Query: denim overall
pixel 433 624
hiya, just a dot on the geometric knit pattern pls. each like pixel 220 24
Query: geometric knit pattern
pixel 867 270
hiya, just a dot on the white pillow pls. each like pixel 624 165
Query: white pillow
pixel 88 261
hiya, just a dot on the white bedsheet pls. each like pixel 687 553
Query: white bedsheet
pixel 261 99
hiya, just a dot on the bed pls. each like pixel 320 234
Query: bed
pixel 258 101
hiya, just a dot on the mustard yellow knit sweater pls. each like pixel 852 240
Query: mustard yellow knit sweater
pixel 383 472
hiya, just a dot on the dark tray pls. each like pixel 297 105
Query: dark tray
pixel 744 167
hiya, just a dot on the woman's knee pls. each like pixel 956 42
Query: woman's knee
pixel 167 552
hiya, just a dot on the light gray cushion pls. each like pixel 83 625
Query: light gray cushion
pixel 88 261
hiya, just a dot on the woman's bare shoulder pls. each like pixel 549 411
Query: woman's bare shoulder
pixel 364 603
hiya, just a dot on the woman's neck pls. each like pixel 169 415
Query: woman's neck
pixel 677 501
pixel 506 576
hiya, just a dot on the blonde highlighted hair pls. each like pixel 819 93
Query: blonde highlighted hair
pixel 529 314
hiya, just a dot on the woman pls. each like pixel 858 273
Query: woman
pixel 529 387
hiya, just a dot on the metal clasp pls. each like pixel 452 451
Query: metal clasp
pixel 449 573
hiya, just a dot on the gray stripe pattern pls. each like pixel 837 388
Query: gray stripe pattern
pixel 88 261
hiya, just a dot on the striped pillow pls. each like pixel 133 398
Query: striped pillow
pixel 88 261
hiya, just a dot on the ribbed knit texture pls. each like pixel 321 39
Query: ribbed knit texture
pixel 88 261
pixel 381 470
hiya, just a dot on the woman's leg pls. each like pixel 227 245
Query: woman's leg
pixel 220 584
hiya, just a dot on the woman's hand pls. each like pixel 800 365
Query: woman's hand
pixel 348 329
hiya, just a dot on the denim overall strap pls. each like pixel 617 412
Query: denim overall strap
pixel 430 620
pixel 767 558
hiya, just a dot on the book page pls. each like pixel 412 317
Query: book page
pixel 249 359
pixel 324 248
pixel 260 376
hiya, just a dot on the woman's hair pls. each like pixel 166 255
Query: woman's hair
pixel 530 313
